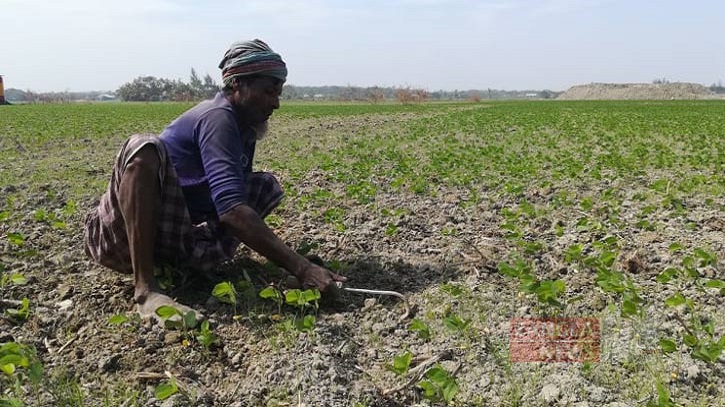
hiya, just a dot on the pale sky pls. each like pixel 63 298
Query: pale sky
pixel 82 45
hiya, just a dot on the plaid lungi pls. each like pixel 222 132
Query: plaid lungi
pixel 178 242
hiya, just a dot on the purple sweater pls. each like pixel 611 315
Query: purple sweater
pixel 212 156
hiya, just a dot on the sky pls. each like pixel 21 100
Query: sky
pixel 84 45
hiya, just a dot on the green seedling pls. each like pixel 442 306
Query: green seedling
pixel 663 397
pixel 226 293
pixel 173 318
pixel 14 279
pixel 438 385
pixel 206 337
pixel 16 239
pixel 22 313
pixel 166 389
pixel 272 294
pixel 401 364
pixel 303 300
pixel 20 365
pixel 455 323
pixel 420 327
pixel 118 319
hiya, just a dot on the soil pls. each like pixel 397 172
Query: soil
pixel 343 360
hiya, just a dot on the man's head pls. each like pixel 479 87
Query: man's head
pixel 253 76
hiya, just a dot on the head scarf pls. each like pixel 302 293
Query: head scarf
pixel 253 57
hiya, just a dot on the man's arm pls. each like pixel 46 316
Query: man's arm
pixel 253 232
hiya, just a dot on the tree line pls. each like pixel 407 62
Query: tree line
pixel 153 89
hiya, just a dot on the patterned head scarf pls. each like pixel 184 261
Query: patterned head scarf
pixel 254 57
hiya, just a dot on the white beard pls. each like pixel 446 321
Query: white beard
pixel 260 130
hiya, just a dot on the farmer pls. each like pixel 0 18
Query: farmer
pixel 189 197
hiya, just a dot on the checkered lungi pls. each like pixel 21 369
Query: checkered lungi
pixel 178 242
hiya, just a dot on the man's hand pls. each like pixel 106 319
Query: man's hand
pixel 323 279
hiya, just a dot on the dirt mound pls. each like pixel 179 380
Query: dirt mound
pixel 637 91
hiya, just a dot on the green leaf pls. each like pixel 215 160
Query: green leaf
pixel 675 300
pixel 225 292
pixel 455 323
pixel 18 279
pixel 167 311
pixel 15 360
pixel 270 293
pixel 667 275
pixel 118 319
pixel 715 284
pixel 450 390
pixel 454 290
pixel 430 391
pixel 305 324
pixel 529 283
pixel 311 295
pixel 190 319
pixel 165 390
pixel 35 373
pixel 668 345
pixel 416 325
pixel 401 364
pixel 293 297
pixel 629 308
pixel 508 270
pixel 674 247
pixel 16 239
pixel 7 368
pixel 689 340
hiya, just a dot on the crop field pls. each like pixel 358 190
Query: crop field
pixel 483 215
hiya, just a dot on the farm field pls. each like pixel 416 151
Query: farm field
pixel 479 213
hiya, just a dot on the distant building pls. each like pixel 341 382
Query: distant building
pixel 105 97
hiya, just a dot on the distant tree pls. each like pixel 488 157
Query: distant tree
pixel 146 88
pixel 196 85
pixel 375 94
pixel 661 81
pixel 717 87
pixel 209 87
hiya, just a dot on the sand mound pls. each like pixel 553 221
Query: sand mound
pixel 637 91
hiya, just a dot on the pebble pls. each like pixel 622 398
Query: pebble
pixel 549 393
pixel 692 372
pixel 64 305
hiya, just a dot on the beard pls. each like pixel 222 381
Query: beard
pixel 260 129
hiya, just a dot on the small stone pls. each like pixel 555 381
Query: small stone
pixel 550 393
pixel 109 364
pixel 692 372
pixel 369 303
pixel 172 337
pixel 64 305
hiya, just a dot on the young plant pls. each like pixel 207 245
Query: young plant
pixel 175 319
pixel 303 300
pixel 416 325
pixel 401 364
pixel 22 313
pixel 439 385
pixel 166 389
pixel 206 337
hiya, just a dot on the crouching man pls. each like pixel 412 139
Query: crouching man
pixel 189 196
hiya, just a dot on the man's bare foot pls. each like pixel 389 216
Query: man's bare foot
pixel 148 304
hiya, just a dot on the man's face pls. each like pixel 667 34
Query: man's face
pixel 256 100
